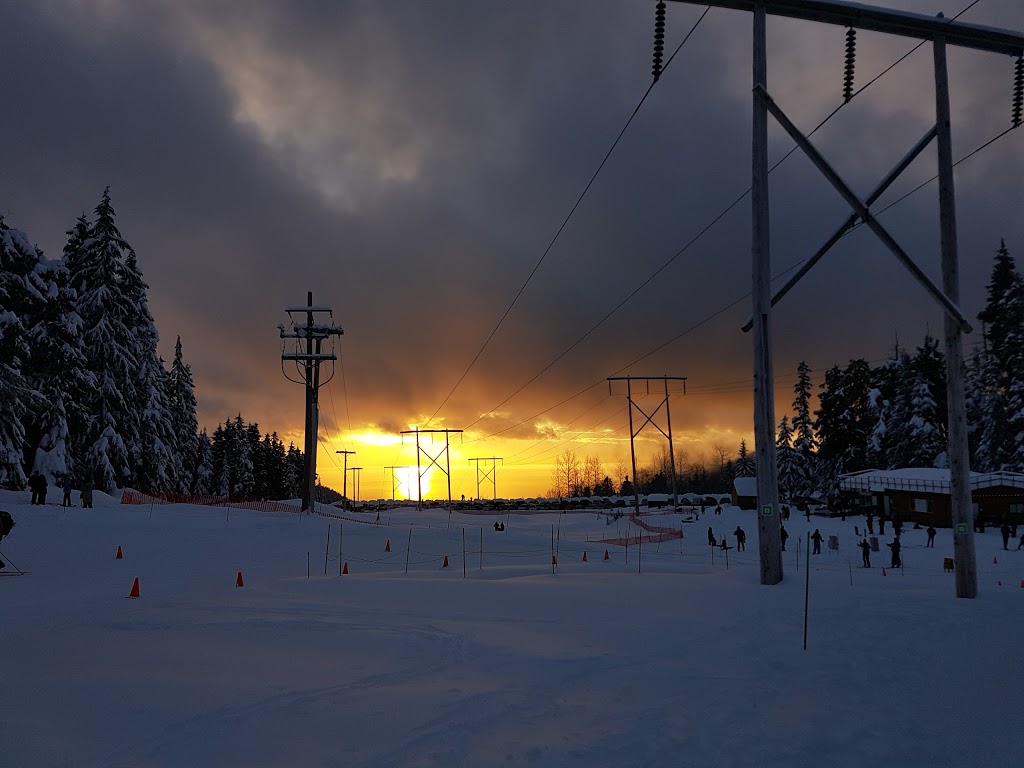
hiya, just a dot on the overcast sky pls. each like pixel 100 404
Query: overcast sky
pixel 409 163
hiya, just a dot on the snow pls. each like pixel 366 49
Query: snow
pixel 687 662
pixel 745 486
pixel 928 479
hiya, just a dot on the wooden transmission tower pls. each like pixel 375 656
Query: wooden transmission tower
pixel 942 33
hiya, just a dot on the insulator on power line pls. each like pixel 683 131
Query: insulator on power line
pixel 1018 92
pixel 851 59
pixel 659 38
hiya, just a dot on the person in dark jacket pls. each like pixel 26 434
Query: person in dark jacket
pixel 865 549
pixel 785 535
pixel 931 536
pixel 1005 530
pixel 817 539
pixel 37 484
pixel 711 538
pixel 741 539
pixel 894 545
pixel 66 502
pixel 85 495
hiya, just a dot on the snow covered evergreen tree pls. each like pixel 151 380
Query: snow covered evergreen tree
pixel 203 484
pixel 791 471
pixel 184 422
pixel 986 415
pixel 804 441
pixel 57 373
pixel 744 465
pixel 157 459
pixel 112 354
pixel 18 259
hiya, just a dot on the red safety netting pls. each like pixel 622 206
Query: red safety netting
pixel 658 533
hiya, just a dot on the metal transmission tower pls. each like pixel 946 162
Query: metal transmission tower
pixel 487 474
pixel 307 364
pixel 649 419
pixel 433 461
pixel 344 482
pixel 941 32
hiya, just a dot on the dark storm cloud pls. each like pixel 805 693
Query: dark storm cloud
pixel 409 162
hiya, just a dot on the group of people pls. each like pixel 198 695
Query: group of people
pixel 739 533
pixel 37 484
pixel 1009 531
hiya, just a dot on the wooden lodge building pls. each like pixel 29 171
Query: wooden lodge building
pixel 915 495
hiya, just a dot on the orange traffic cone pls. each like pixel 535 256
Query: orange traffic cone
pixel 238 581
pixel 387 545
pixel 118 556
pixel 1000 583
pixel 345 569
pixel 135 588
pixel 445 562
pixel 1022 583
pixel 554 559
pixel 994 561
pixel 606 554
pixel 883 571
pixel 584 555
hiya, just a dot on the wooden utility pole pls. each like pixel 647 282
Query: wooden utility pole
pixel 344 482
pixel 964 561
pixel 421 451
pixel 942 32
pixel 355 481
pixel 649 419
pixel 769 524
pixel 487 474
pixel 313 333
pixel 394 480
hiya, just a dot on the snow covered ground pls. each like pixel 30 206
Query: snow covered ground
pixel 684 663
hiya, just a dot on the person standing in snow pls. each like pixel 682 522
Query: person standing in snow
pixel 1005 530
pixel 85 495
pixel 865 549
pixel 41 486
pixel 741 539
pixel 894 545
pixel 1021 544
pixel 711 538
pixel 931 537
pixel 66 502
pixel 785 535
pixel 817 538
pixel 33 484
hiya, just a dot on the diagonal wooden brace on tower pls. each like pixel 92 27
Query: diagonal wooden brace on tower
pixel 941 32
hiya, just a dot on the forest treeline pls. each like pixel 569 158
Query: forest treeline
pixel 890 415
pixel 84 391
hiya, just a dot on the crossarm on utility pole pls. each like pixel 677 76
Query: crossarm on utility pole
pixel 851 222
pixel 887 20
pixel 850 196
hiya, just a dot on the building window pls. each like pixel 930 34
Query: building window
pixel 921 505
pixel 1016 509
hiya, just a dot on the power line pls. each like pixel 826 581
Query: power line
pixel 689 244
pixel 563 225
pixel 725 308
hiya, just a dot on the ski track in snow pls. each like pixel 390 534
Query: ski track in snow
pixel 686 664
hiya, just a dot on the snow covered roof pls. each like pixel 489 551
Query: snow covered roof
pixel 745 486
pixel 923 479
